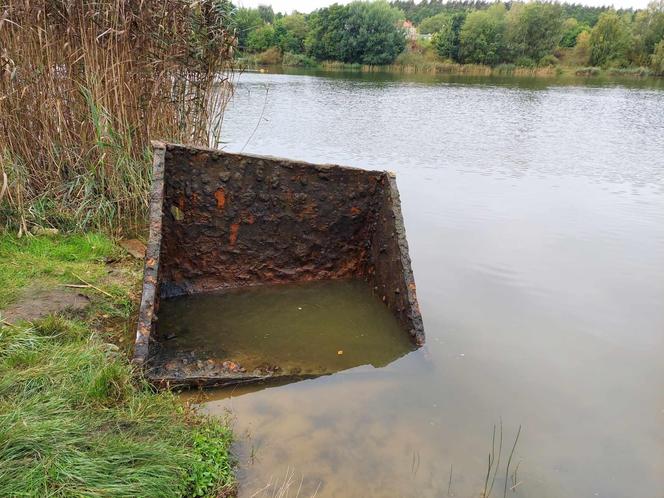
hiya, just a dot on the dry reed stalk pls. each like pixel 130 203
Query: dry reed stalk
pixel 86 84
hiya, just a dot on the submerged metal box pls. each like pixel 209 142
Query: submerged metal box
pixel 220 220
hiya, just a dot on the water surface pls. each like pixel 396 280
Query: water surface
pixel 535 218
pixel 313 328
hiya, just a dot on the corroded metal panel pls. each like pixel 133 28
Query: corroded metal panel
pixel 221 220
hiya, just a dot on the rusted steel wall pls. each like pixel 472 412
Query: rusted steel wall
pixel 389 270
pixel 220 220
pixel 235 220
pixel 151 276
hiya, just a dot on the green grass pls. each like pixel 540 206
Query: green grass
pixel 75 420
pixel 48 261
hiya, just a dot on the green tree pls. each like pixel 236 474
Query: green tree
pixel 609 40
pixel 291 32
pixel 647 30
pixel 434 24
pixel 266 13
pixel 246 21
pixel 360 32
pixel 448 39
pixel 582 48
pixel 262 38
pixel 534 29
pixel 326 28
pixel 657 58
pixel 571 30
pixel 483 36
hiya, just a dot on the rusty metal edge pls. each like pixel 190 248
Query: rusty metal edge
pixel 318 166
pixel 417 326
pixel 183 383
pixel 150 294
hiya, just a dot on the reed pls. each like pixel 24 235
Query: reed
pixel 424 66
pixel 85 85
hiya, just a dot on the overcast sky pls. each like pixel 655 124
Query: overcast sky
pixel 309 5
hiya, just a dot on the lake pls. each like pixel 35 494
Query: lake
pixel 535 217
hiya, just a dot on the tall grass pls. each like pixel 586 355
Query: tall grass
pixel 85 85
pixel 422 65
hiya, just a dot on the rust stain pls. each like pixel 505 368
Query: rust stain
pixel 288 197
pixel 354 211
pixel 235 228
pixel 220 195
pixel 309 210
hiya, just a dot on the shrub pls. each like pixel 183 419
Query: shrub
pixel 582 48
pixel 261 39
pixel 270 57
pixel 298 60
pixel 525 62
pixel 548 61
pixel 609 40
pixel 657 58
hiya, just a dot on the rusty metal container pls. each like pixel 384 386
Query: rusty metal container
pixel 220 220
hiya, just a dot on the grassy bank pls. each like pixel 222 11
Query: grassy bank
pixel 451 68
pixel 75 420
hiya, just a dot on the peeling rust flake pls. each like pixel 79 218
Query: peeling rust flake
pixel 235 228
pixel 220 196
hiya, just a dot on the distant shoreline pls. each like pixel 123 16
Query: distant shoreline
pixel 449 68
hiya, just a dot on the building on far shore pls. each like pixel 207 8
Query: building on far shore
pixel 410 29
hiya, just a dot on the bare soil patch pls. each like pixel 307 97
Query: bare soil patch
pixel 37 303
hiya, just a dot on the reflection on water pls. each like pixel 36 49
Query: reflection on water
pixel 535 218
pixel 313 328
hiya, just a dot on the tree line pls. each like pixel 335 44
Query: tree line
pixel 360 32
pixel 462 31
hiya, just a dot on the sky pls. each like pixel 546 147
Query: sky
pixel 288 6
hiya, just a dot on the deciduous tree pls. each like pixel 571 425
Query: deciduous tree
pixel 534 29
pixel 483 36
pixel 609 40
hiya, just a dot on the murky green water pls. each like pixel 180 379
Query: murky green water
pixel 312 328
pixel 535 219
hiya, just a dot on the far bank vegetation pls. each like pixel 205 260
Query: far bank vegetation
pixel 465 37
